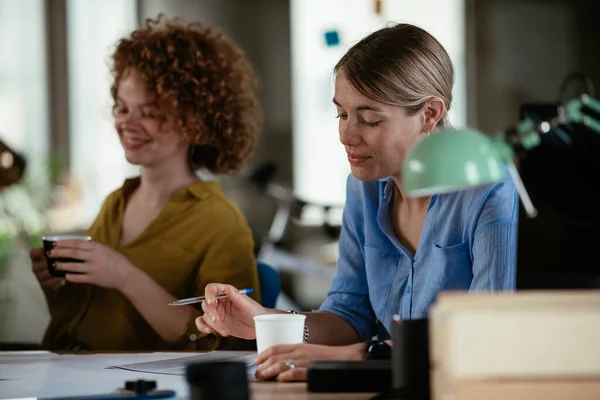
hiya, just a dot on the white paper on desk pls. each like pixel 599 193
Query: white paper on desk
pixel 64 375
pixel 176 366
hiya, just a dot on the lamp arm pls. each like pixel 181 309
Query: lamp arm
pixel 527 134
pixel 573 111
pixel 507 155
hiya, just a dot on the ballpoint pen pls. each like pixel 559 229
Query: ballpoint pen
pixel 193 300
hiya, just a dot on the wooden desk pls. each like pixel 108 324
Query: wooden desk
pixel 297 391
pixel 29 374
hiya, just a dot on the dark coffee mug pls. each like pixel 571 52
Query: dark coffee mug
pixel 49 245
pixel 223 380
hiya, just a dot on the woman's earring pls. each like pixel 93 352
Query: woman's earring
pixel 427 133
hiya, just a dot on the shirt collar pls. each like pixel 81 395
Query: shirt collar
pixel 387 184
pixel 200 190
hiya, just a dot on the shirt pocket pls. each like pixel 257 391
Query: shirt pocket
pixel 380 267
pixel 454 266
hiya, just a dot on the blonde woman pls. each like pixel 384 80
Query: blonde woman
pixel 396 253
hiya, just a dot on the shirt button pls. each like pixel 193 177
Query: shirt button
pixel 193 337
pixel 408 289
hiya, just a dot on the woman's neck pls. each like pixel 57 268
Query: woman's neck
pixel 408 202
pixel 158 183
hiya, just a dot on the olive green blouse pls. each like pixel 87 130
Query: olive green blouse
pixel 198 238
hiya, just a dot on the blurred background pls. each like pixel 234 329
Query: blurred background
pixel 55 110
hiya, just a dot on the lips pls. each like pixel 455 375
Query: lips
pixel 133 143
pixel 357 159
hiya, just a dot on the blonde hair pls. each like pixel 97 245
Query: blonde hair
pixel 401 65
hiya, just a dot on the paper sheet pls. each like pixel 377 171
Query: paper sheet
pixel 44 374
pixel 176 366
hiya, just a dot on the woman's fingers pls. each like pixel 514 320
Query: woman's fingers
pixel 297 374
pixel 210 311
pixel 210 319
pixel 47 281
pixel 36 254
pixel 219 328
pixel 72 267
pixel 42 274
pixel 213 289
pixel 203 326
pixel 77 254
pixel 79 278
pixel 74 244
pixel 39 268
pixel 271 371
pixel 276 350
pixel 52 284
pixel 284 370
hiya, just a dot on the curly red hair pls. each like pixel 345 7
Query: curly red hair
pixel 203 84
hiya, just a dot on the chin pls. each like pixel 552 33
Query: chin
pixel 133 160
pixel 364 174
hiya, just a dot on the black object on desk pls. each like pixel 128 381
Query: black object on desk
pixel 349 376
pixel 218 380
pixel 410 361
pixel 410 356
pixel 405 376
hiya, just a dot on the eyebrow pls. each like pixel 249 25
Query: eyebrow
pixel 360 108
pixel 148 104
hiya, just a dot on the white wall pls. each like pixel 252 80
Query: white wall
pixel 320 163
pixel 97 158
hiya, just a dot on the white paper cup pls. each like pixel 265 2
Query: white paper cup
pixel 274 329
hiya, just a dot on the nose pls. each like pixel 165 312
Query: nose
pixel 130 117
pixel 349 134
pixel 125 120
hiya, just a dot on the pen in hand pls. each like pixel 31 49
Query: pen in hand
pixel 199 299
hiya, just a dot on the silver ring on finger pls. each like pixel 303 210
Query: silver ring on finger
pixel 290 364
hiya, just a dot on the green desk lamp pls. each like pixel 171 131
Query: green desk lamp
pixel 458 159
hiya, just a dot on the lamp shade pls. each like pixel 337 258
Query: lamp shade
pixel 451 160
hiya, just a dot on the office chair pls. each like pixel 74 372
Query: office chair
pixel 270 285
pixel 271 249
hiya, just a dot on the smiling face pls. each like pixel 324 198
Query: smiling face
pixel 146 141
pixel 376 136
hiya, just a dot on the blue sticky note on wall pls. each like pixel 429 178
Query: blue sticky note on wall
pixel 332 38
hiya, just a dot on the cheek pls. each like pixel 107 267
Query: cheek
pixel 398 146
pixel 168 142
pixel 163 127
pixel 118 123
pixel 153 128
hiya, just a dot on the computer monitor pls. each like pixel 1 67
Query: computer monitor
pixel 559 248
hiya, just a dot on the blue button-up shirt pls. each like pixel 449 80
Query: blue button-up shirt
pixel 468 242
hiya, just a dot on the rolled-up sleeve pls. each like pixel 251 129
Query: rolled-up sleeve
pixel 495 242
pixel 348 296
pixel 494 258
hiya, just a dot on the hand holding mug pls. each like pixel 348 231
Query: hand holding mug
pixel 89 262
